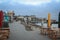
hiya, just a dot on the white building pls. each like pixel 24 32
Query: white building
pixel 11 14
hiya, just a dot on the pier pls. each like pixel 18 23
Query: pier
pixel 28 27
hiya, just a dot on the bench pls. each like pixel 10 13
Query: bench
pixel 56 35
pixel 5 33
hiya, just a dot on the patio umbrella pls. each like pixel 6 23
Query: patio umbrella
pixel 1 18
pixel 49 21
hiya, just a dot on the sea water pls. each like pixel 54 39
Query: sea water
pixel 45 25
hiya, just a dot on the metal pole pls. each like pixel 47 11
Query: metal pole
pixel 42 23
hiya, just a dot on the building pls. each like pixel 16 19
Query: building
pixel 11 14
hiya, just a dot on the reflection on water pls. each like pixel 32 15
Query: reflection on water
pixel 28 28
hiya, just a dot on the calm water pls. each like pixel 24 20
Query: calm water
pixel 45 25
pixel 18 32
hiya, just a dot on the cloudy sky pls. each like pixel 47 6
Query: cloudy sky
pixel 40 8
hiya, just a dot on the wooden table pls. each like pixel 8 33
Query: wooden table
pixel 44 31
pixel 5 33
pixel 54 34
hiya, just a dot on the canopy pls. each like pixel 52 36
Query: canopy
pixel 1 18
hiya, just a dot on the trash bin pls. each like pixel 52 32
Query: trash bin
pixel 5 25
pixel 6 21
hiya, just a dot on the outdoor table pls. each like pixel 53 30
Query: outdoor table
pixel 54 34
pixel 5 32
pixel 44 30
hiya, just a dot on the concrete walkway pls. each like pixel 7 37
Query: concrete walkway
pixel 18 32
